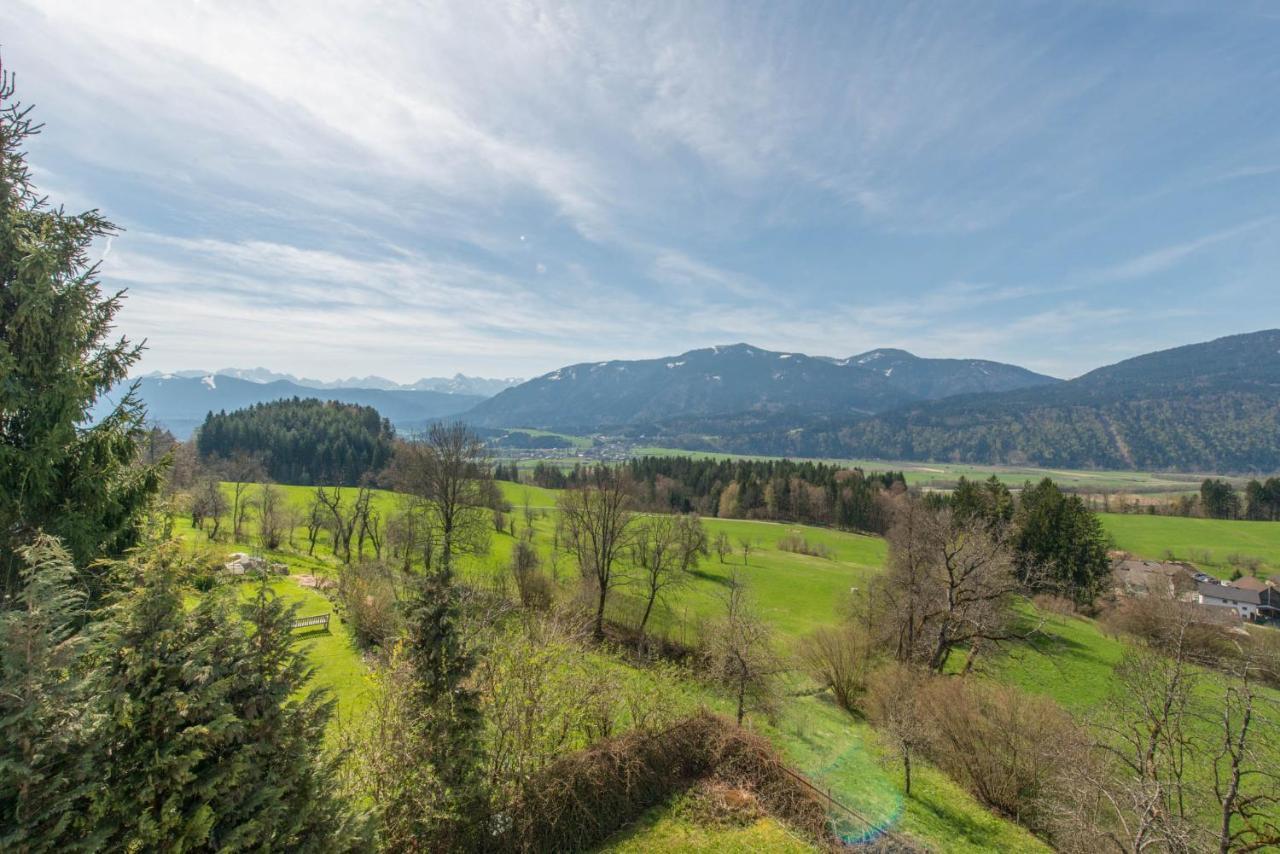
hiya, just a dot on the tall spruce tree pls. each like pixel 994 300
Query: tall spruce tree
pixel 1060 545
pixel 206 742
pixel 448 721
pixel 44 768
pixel 56 359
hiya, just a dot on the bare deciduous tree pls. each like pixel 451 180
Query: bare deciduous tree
pixel 271 516
pixel 1246 783
pixel 597 519
pixel 449 470
pixel 895 705
pixel 740 653
pixel 723 547
pixel 949 584
pixel 243 470
pixel 665 548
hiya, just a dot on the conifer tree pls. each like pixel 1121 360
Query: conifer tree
pixel 206 743
pixel 43 701
pixel 56 361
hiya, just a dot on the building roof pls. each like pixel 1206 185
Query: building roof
pixel 1228 594
pixel 1248 583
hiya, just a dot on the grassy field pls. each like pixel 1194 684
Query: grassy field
pixel 944 475
pixel 794 592
pixel 1072 662
pixel 1208 543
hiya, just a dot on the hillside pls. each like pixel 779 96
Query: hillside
pixel 181 403
pixel 701 386
pixel 1204 407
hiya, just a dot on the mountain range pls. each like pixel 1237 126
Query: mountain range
pixel 1213 406
pixel 738 380
pixel 456 384
pixel 180 403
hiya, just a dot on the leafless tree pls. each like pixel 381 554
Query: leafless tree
pixel 340 526
pixel 656 552
pixel 747 545
pixel 271 516
pixel 209 504
pixel 1147 739
pixel 895 704
pixel 449 470
pixel 723 547
pixel 315 519
pixel 1246 783
pixel 949 584
pixel 740 652
pixel 242 470
pixel 597 518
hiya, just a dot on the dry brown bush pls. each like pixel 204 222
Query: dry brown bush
pixel 585 797
pixel 1009 748
pixel 838 658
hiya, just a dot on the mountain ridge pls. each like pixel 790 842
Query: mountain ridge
pixel 731 379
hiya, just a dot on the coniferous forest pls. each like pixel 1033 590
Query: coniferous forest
pixel 304 442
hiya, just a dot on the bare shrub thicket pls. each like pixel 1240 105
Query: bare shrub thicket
pixel 584 797
pixel 840 659
pixel 370 596
pixel 796 544
pixel 1009 748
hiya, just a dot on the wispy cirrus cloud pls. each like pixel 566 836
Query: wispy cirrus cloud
pixel 513 185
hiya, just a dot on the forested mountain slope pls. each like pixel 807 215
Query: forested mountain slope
pixel 707 384
pixel 1203 407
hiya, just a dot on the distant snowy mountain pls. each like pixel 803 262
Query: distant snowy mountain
pixel 181 403
pixel 702 387
pixel 457 384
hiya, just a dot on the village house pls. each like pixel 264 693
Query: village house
pixel 1248 604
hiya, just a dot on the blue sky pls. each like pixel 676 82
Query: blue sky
pixel 502 188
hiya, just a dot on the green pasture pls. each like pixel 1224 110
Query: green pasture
pixel 1071 661
pixel 944 475
pixel 1208 543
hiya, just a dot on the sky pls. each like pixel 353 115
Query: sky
pixel 411 189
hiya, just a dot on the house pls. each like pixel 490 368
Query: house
pixel 1135 577
pixel 1248 604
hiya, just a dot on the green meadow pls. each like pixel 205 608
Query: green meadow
pixel 931 475
pixel 1210 544
pixel 1071 660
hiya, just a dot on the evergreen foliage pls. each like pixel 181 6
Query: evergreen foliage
pixel 302 442
pixel 447 719
pixel 56 360
pixel 1060 545
pixel 43 696
pixel 206 742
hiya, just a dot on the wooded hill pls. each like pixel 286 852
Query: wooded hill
pixel 303 442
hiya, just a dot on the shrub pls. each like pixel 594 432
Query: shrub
pixel 1009 748
pixel 368 596
pixel 797 544
pixel 839 659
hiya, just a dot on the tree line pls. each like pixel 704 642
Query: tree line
pixel 806 492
